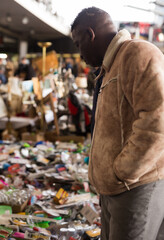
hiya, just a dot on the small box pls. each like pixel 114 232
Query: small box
pixel 19 208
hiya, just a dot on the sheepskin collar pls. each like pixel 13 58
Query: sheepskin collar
pixel 113 48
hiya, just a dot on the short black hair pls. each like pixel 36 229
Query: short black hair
pixel 87 15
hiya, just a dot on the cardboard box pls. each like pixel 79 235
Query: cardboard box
pixel 52 137
pixel 19 208
pixel 33 137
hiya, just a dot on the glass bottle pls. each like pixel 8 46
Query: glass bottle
pixel 63 234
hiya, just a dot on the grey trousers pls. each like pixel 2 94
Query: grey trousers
pixel 133 215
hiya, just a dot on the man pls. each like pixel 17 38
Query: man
pixel 25 70
pixel 127 152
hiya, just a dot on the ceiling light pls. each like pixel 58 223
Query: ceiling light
pixel 161 37
pixel 25 20
pixel 32 31
pixel 8 17
pixel 3 55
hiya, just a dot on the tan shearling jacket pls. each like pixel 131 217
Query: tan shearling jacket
pixel 127 148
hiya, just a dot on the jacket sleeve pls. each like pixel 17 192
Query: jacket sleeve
pixel 143 87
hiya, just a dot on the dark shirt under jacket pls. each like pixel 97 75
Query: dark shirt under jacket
pixel 95 96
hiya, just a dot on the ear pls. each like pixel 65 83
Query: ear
pixel 91 34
